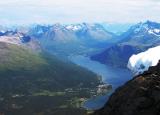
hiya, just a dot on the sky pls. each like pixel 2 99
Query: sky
pixel 77 11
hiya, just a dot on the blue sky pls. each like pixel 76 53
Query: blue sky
pixel 75 11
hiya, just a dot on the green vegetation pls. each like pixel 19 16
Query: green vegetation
pixel 48 93
pixel 16 58
pixel 39 84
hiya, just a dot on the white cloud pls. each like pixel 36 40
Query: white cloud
pixel 141 62
pixel 68 11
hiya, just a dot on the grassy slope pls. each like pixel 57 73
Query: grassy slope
pixel 18 58
pixel 22 64
pixel 35 77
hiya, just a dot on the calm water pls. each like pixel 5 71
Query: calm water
pixel 114 76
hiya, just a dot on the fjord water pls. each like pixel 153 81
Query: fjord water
pixel 110 75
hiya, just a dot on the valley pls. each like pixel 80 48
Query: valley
pixel 39 83
pixel 64 69
pixel 79 57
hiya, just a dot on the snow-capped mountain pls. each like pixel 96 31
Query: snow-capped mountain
pixel 137 39
pixel 66 39
pixel 141 62
pixel 92 31
pixel 72 31
pixel 13 37
pixel 60 38
pixel 148 27
pixel 74 27
pixel 142 33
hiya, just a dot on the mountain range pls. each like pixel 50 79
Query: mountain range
pixel 87 39
pixel 72 39
pixel 137 39
pixel 63 40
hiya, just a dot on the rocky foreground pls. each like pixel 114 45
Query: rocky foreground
pixel 139 96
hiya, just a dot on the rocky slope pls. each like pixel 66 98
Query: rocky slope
pixel 139 96
pixel 19 38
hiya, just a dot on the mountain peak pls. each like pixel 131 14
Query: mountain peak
pixel 145 26
pixel 142 33
pixel 151 23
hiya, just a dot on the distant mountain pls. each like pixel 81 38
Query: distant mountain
pixel 72 38
pixel 62 40
pixel 71 32
pixel 91 31
pixel 147 33
pixel 139 96
pixel 137 39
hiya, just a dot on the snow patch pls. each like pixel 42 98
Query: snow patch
pixel 73 27
pixel 11 40
pixel 2 31
pixel 155 32
pixel 142 61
